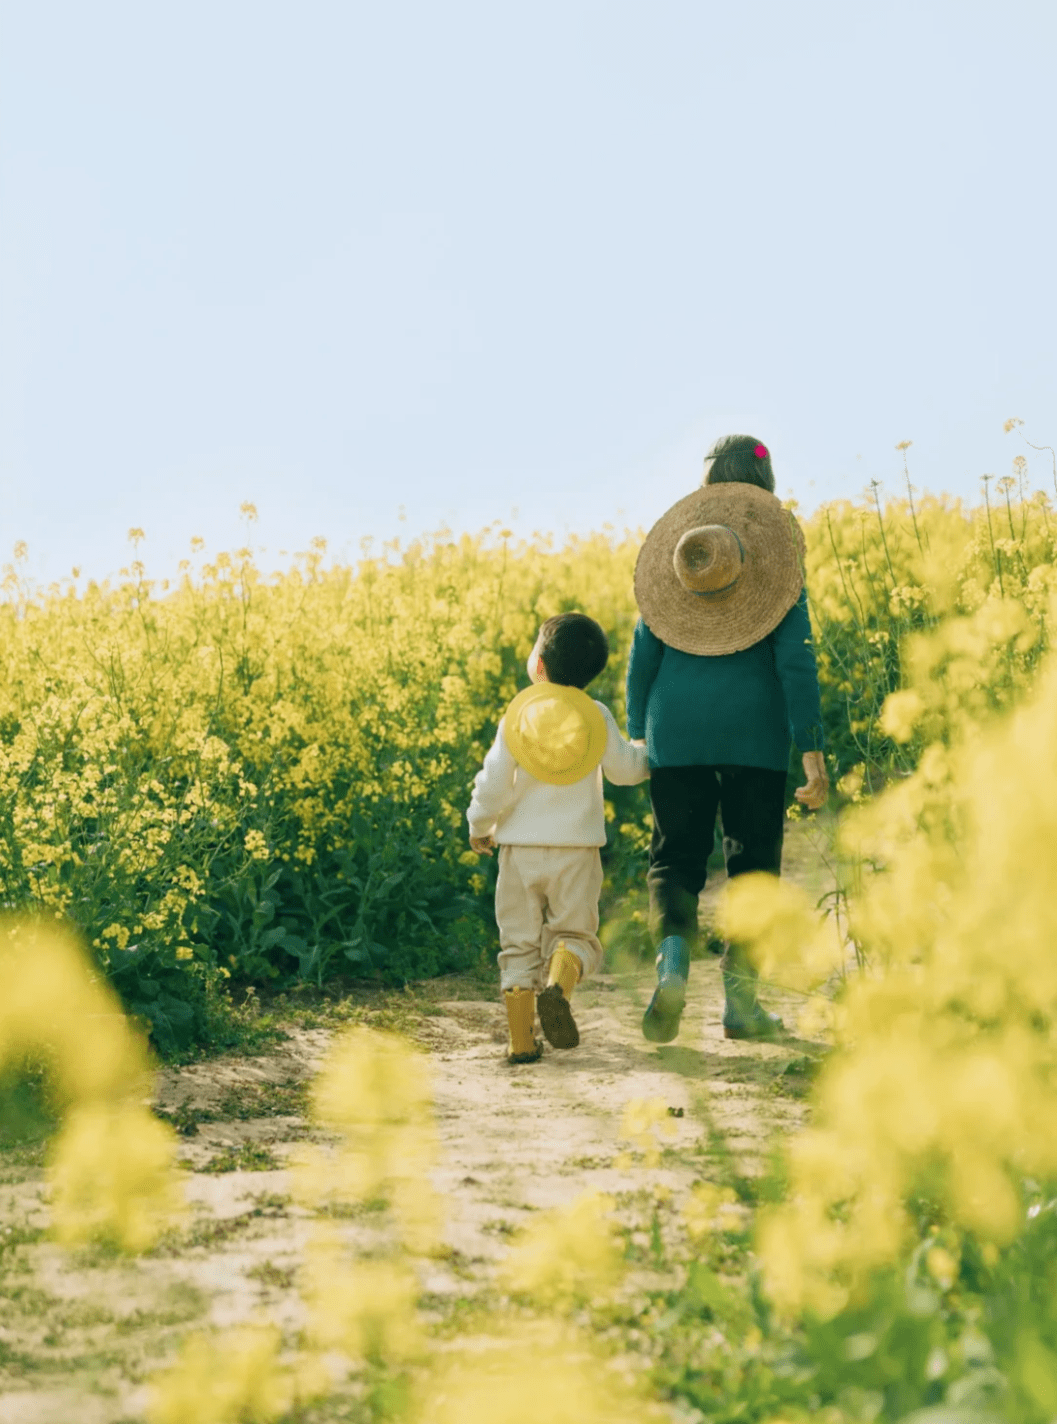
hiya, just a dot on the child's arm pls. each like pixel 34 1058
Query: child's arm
pixel 623 763
pixel 491 792
pixel 644 663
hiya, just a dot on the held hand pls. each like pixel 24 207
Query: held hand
pixel 483 845
pixel 638 741
pixel 814 794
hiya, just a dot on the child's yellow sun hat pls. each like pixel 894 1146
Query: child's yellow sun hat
pixel 557 733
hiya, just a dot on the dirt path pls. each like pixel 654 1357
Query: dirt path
pixel 80 1332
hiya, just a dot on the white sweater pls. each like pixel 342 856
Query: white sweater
pixel 512 807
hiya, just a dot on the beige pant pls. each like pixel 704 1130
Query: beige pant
pixel 546 893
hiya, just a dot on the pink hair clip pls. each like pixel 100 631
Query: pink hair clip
pixel 760 452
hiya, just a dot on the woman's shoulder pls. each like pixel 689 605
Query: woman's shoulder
pixel 796 619
pixel 644 633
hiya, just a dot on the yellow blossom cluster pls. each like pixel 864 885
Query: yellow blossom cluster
pixel 944 1084
pixel 709 1209
pixel 569 1255
pixel 879 573
pixel 231 1377
pixel 111 1170
pixel 374 1095
pixel 269 774
pixel 539 1373
pixel 645 1125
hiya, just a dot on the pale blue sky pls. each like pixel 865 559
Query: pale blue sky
pixel 338 258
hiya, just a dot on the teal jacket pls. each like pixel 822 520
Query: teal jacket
pixel 739 709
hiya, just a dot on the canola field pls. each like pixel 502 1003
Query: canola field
pixel 262 779
pixel 248 780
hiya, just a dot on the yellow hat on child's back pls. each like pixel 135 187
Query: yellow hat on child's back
pixel 555 732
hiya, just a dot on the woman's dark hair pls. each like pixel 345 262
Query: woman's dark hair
pixel 574 649
pixel 733 461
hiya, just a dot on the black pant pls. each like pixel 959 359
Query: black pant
pixel 685 799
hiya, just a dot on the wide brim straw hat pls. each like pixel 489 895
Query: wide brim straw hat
pixel 720 569
pixel 557 733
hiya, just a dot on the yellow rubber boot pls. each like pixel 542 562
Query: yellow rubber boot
pixel 520 1017
pixel 565 969
pixel 556 1017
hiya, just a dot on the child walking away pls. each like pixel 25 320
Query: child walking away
pixel 721 678
pixel 538 797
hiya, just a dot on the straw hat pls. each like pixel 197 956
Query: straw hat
pixel 720 569
pixel 555 732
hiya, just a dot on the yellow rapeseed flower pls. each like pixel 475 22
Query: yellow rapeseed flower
pixel 569 1254
pixel 645 1122
pixel 373 1092
pixel 542 1373
pixel 900 714
pixel 112 1177
pixel 364 1308
pixel 232 1377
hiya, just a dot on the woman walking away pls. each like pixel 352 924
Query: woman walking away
pixel 721 679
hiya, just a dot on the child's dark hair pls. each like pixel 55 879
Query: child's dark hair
pixel 574 649
pixel 736 459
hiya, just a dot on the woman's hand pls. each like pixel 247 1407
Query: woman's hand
pixel 814 794
pixel 483 845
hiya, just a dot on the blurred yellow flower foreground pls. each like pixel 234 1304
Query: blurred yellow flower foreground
pixel 362 1310
pixel 112 1164
pixel 944 1085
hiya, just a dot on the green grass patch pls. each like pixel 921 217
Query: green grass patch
pixel 269 1274
pixel 247 1157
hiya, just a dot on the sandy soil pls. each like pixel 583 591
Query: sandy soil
pixel 80 1332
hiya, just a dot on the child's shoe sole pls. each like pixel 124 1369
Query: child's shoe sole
pixel 533 1057
pixel 660 1022
pixel 556 1018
